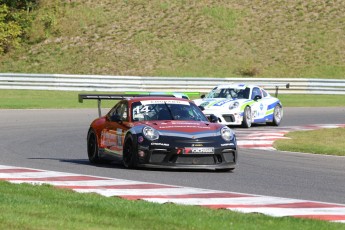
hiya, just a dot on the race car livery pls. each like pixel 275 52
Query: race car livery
pixel 159 132
pixel 241 104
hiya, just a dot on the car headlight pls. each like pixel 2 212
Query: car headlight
pixel 150 133
pixel 234 105
pixel 226 133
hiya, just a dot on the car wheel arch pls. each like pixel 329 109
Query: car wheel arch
pixel 130 145
pixel 275 122
pixel 93 146
pixel 129 137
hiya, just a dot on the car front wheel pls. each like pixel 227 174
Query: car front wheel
pixel 92 147
pixel 247 117
pixel 130 157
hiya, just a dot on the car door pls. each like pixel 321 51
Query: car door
pixel 266 100
pixel 112 135
pixel 259 108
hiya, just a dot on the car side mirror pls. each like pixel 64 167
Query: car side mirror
pixel 213 118
pixel 202 108
pixel 257 97
pixel 202 96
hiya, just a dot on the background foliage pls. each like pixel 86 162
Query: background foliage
pixel 20 4
pixel 15 20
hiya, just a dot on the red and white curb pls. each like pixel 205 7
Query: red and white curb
pixel 263 138
pixel 160 193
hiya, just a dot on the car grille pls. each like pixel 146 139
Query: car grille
pixel 195 160
pixel 229 156
pixel 187 142
pixel 229 118
pixel 164 156
pixel 157 157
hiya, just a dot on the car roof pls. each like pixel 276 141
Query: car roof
pixel 235 86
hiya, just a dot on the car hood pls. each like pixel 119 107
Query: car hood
pixel 191 127
pixel 213 103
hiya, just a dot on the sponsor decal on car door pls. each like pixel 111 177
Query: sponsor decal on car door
pixel 260 109
pixel 112 140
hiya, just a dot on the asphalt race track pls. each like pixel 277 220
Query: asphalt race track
pixel 56 140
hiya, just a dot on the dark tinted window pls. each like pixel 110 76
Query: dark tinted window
pixel 256 92
pixel 166 111
pixel 121 109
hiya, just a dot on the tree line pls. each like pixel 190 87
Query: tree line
pixel 15 20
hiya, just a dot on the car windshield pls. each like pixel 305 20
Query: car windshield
pixel 148 110
pixel 229 93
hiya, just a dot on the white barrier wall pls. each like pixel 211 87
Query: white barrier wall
pixel 107 83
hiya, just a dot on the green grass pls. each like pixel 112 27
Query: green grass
pixel 312 100
pixel 40 99
pixel 26 206
pixel 225 38
pixel 322 141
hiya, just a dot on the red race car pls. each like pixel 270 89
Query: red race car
pixel 159 131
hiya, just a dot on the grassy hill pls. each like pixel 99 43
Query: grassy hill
pixel 211 38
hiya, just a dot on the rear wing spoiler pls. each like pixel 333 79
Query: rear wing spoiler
pixel 100 97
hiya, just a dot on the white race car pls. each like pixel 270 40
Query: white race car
pixel 241 104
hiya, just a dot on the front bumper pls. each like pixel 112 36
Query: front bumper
pixel 226 118
pixel 222 158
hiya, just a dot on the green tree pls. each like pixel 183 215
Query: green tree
pixel 20 4
pixel 15 20
pixel 10 31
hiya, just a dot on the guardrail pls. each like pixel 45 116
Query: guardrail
pixel 106 83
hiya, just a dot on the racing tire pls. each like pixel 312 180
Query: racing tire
pixel 130 157
pixel 92 147
pixel 247 118
pixel 277 115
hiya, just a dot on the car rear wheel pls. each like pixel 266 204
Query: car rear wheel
pixel 130 157
pixel 247 117
pixel 277 115
pixel 92 147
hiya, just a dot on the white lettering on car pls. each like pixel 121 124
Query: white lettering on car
pixel 203 150
pixel 162 144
